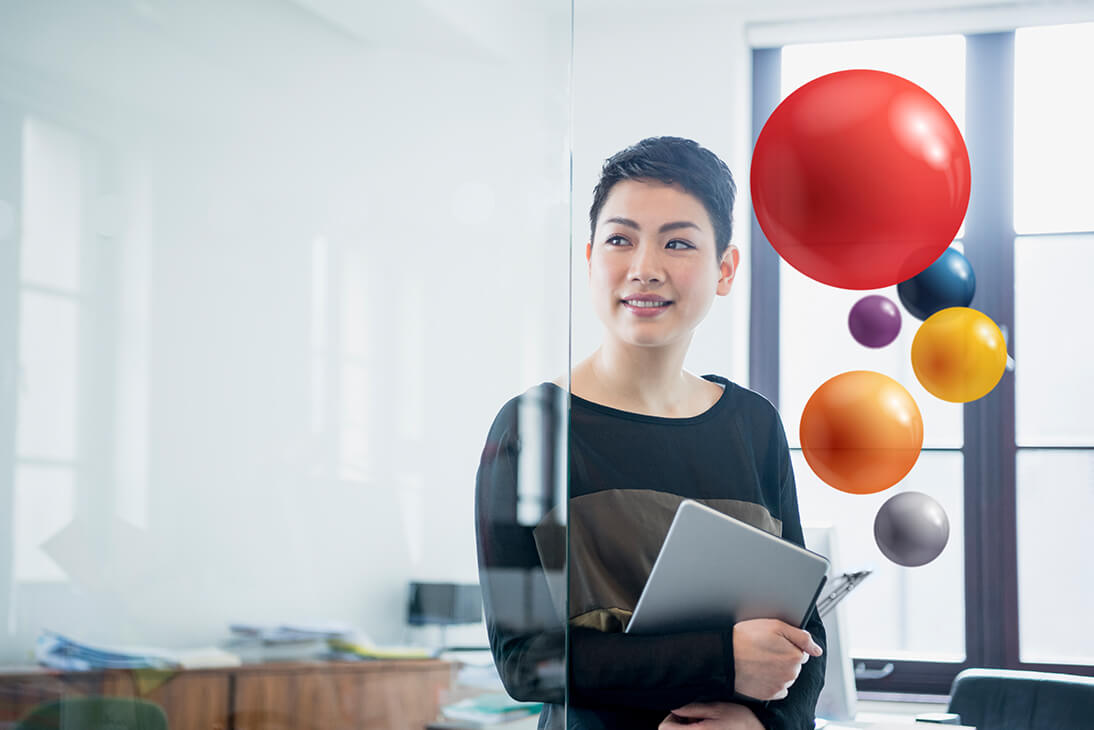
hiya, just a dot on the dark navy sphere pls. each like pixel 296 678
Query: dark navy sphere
pixel 948 282
pixel 874 321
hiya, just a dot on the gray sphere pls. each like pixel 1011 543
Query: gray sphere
pixel 911 529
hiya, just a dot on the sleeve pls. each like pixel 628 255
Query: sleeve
pixel 797 710
pixel 660 672
pixel 527 637
pixel 526 631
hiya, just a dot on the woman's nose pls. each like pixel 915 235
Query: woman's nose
pixel 646 264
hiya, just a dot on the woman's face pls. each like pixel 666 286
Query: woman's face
pixel 652 268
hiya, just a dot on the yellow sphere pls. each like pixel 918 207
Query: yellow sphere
pixel 959 354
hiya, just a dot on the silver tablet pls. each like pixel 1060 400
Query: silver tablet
pixel 714 570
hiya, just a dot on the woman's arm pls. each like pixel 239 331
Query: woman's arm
pixel 656 672
pixel 798 709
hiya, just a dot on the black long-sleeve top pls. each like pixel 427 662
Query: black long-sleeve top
pixel 627 473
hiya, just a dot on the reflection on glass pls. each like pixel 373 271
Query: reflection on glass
pixel 54 201
pixel 44 504
pixel 1053 114
pixel 266 251
pixel 898 612
pixel 522 544
pixel 49 361
pixel 1055 576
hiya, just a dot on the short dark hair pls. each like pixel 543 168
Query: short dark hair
pixel 674 160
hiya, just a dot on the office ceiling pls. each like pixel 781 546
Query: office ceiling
pixel 291 46
pixel 375 21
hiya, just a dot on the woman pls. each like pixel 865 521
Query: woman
pixel 643 435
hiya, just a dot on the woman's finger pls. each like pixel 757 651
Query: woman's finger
pixel 672 722
pixel 696 709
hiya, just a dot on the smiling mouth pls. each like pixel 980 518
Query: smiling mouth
pixel 646 307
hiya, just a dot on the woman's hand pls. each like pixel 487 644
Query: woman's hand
pixel 712 716
pixel 768 655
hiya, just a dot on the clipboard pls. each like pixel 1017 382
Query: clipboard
pixel 714 570
pixel 839 589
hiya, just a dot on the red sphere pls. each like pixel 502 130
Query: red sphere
pixel 860 179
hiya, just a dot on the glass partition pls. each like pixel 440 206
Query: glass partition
pixel 270 273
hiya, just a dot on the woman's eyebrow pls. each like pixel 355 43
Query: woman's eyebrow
pixel 663 229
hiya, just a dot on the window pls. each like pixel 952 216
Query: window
pixel 339 362
pixel 52 306
pixel 1053 155
pixel 966 608
pixel 1053 114
pixel 815 345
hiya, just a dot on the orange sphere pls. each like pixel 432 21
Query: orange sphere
pixel 861 432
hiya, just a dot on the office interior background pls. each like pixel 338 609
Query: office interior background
pixel 271 268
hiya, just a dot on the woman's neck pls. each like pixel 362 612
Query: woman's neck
pixel 641 380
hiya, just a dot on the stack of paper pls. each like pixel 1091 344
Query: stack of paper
pixel 293 632
pixel 283 642
pixel 326 640
pixel 60 652
pixel 362 648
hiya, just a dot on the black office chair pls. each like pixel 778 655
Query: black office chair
pixel 1001 699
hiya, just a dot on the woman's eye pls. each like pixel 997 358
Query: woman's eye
pixel 678 245
pixel 617 241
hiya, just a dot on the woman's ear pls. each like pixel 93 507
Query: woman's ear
pixel 730 260
pixel 589 252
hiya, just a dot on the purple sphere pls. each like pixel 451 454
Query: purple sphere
pixel 874 321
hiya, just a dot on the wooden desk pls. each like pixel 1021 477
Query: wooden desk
pixel 371 695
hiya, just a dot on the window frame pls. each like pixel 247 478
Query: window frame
pixel 990 449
